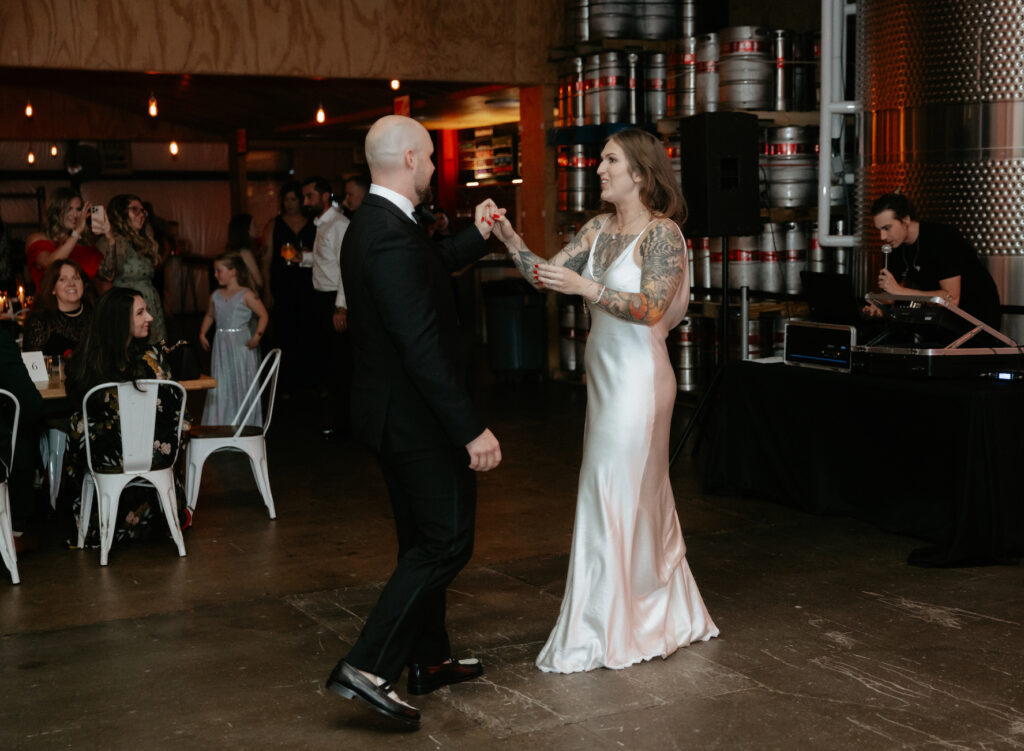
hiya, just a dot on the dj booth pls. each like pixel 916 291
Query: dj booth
pixel 941 459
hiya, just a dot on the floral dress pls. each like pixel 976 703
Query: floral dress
pixel 123 266
pixel 139 514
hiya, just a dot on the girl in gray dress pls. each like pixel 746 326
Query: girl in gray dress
pixel 235 345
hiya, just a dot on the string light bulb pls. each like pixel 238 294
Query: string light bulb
pixel 31 157
pixel 320 114
pixel 53 150
pixel 395 83
pixel 173 148
pixel 152 104
pixel 28 109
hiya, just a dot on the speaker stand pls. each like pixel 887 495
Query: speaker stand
pixel 723 358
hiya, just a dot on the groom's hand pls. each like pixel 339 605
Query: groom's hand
pixel 484 452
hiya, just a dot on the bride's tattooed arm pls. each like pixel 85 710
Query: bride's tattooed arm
pixel 662 257
pixel 573 256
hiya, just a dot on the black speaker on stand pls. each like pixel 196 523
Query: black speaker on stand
pixel 718 152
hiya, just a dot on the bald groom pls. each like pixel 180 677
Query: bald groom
pixel 410 403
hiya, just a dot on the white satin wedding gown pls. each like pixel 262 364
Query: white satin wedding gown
pixel 629 594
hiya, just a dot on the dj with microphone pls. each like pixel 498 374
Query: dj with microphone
pixel 928 258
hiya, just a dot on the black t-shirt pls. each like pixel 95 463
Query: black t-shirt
pixel 941 252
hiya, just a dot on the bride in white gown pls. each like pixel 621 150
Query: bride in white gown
pixel 629 594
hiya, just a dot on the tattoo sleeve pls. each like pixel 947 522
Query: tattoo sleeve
pixel 662 255
pixel 573 256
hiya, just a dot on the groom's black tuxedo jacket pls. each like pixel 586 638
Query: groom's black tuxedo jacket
pixel 409 389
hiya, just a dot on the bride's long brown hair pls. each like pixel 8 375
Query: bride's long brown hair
pixel 648 160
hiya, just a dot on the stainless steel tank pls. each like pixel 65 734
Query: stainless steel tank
pixel 941 84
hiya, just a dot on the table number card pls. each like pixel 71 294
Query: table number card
pixel 36 366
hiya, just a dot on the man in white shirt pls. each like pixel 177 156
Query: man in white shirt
pixel 330 312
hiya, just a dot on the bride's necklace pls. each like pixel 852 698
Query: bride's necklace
pixel 623 229
pixel 74 313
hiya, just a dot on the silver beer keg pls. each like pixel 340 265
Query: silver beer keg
pixel 745 68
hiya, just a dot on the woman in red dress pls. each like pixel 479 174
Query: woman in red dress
pixel 61 236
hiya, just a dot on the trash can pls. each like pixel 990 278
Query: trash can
pixel 516 326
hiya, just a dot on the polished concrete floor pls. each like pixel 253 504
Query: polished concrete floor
pixel 829 640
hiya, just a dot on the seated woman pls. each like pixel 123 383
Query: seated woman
pixel 62 311
pixel 115 348
pixel 62 237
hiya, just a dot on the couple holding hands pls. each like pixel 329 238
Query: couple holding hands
pixel 629 594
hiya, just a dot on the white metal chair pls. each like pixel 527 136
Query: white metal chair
pixel 206 439
pixel 138 413
pixel 7 551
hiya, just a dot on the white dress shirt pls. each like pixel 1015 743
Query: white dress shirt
pixel 330 231
pixel 396 198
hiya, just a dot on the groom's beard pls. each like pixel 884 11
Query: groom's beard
pixel 426 196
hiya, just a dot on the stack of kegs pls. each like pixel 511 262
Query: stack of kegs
pixel 570 93
pixel 744 262
pixel 745 68
pixel 682 78
pixel 578 186
pixel 577 20
pixel 627 19
pixel 794 258
pixel 789 166
pixel 707 73
pixel 770 253
pixel 612 20
pixel 656 88
pixel 613 87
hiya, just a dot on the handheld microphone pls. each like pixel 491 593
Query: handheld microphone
pixel 886 250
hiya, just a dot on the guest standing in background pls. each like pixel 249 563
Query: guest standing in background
pixel 62 311
pixel 242 240
pixel 62 234
pixel 131 256
pixel 288 284
pixel 235 354
pixel 330 317
pixel 356 188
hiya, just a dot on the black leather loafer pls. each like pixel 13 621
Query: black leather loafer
pixel 426 678
pixel 348 682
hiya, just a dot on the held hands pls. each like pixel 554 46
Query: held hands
pixel 484 452
pixel 504 230
pixel 487 212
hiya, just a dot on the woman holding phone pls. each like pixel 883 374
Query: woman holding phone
pixel 64 234
pixel 130 255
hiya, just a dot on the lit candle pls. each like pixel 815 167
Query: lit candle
pixel 21 294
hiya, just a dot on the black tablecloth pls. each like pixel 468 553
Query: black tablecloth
pixel 935 459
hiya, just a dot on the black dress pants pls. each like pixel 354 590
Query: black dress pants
pixel 433 496
pixel 334 366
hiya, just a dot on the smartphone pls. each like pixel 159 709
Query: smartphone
pixel 98 213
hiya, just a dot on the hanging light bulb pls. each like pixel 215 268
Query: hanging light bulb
pixel 31 157
pixel 173 148
pixel 53 150
pixel 320 114
pixel 28 109
pixel 152 104
pixel 395 83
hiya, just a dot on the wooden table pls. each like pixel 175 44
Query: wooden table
pixel 53 390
